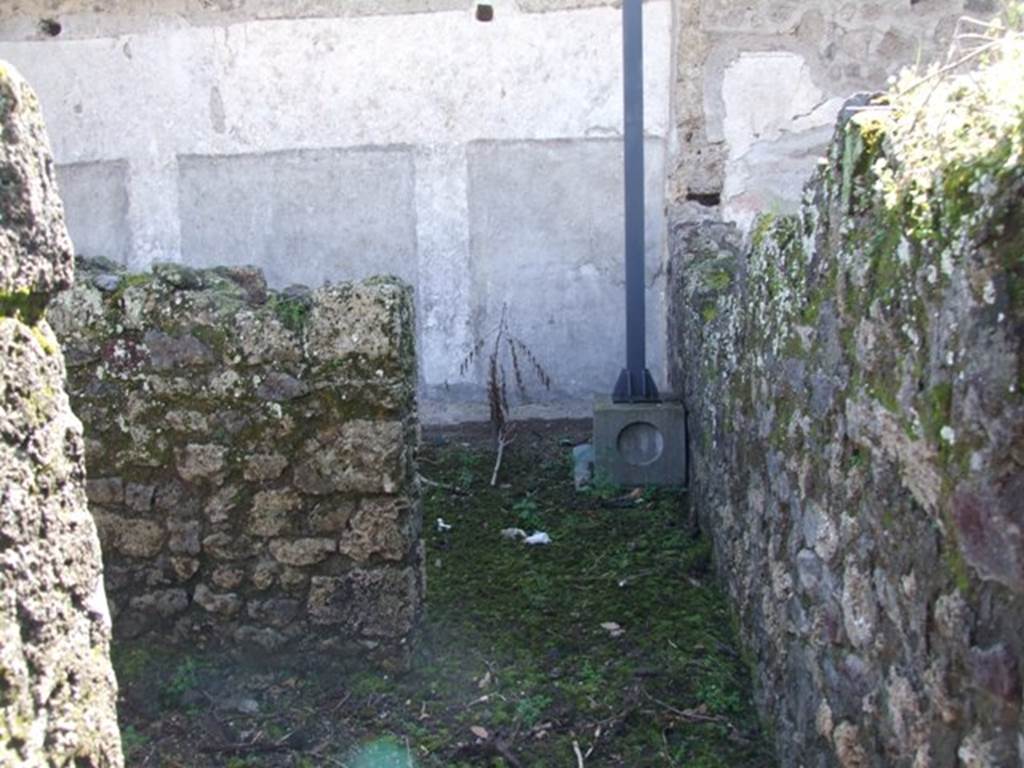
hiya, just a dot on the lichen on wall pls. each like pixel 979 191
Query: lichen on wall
pixel 57 688
pixel 250 457
pixel 854 378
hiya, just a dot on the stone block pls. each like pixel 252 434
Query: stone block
pixel 302 551
pixel 379 603
pixel 378 529
pixel 638 444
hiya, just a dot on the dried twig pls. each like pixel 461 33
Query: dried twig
pixel 504 440
pixel 504 348
pixel 689 715
pixel 434 484
pixel 579 754
pixel 237 750
pixel 966 59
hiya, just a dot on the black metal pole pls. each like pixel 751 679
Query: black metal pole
pixel 635 383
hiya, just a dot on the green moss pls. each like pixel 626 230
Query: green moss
pixel 785 408
pixel 131 281
pixel 762 228
pixel 45 340
pixel 709 313
pixel 717 280
pixel 957 566
pixel 794 347
pixel 936 409
pixel 42 405
pixel 23 305
pixel 884 391
pixel 215 338
pixel 291 311
pixel 886 270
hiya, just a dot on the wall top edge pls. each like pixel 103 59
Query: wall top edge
pixel 77 20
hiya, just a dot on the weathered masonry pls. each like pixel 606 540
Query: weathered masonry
pixel 855 378
pixel 57 689
pixel 480 162
pixel 250 457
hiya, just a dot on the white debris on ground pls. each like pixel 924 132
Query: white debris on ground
pixel 613 629
pixel 518 534
pixel 442 526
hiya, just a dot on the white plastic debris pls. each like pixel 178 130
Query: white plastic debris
pixel 613 629
pixel 538 537
pixel 513 534
pixel 442 526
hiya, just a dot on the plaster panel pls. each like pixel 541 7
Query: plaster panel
pixel 303 217
pixel 96 207
pixel 546 228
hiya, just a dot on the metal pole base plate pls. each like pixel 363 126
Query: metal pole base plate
pixel 634 387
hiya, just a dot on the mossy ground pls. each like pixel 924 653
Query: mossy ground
pixel 514 665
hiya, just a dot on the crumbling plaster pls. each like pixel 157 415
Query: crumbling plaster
pixel 758 86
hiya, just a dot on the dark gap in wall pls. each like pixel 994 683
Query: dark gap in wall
pixel 484 12
pixel 707 199
pixel 50 27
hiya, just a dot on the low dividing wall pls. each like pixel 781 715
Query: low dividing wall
pixel 250 456
pixel 854 384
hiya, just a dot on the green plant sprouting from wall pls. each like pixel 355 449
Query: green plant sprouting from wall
pixel 952 127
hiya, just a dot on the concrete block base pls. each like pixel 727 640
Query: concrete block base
pixel 640 443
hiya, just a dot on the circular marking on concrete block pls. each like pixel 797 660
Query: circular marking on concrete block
pixel 640 444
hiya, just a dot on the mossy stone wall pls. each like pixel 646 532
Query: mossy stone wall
pixel 854 382
pixel 57 688
pixel 250 456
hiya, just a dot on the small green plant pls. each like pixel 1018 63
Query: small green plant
pixel 720 697
pixel 292 311
pixel 530 709
pixel 468 467
pixel 602 487
pixel 185 678
pixel 527 513
pixel 132 741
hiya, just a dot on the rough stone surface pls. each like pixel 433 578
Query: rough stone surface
pixel 853 378
pixel 758 85
pixel 243 442
pixel 35 250
pixel 57 689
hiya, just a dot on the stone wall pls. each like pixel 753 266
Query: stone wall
pixel 250 456
pixel 480 162
pixel 759 84
pixel 57 689
pixel 854 383
pixel 485 171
